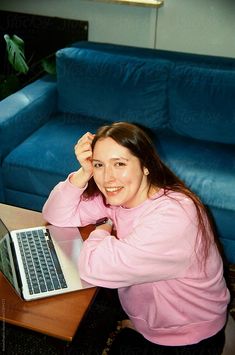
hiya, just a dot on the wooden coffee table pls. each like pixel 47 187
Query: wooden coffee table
pixel 57 316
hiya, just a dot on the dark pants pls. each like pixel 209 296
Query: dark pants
pixel 129 342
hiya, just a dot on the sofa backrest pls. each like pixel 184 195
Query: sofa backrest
pixel 113 87
pixel 192 98
pixel 210 61
pixel 201 102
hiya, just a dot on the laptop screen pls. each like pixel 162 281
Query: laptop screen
pixel 7 265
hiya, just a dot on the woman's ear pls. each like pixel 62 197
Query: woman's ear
pixel 146 172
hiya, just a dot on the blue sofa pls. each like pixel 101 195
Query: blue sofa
pixel 186 100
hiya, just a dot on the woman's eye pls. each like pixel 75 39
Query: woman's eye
pixel 119 163
pixel 97 165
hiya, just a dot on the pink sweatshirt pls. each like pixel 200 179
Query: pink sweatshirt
pixel 152 262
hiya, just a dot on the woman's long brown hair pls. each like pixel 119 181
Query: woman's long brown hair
pixel 135 138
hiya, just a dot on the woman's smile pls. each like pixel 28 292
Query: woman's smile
pixel 118 174
pixel 113 190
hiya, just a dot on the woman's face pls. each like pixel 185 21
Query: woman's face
pixel 118 174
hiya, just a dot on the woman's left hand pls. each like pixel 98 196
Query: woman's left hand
pixel 106 227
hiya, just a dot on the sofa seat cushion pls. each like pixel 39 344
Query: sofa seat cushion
pixel 201 103
pixel 25 200
pixel 224 221
pixel 47 156
pixel 207 168
pixel 113 87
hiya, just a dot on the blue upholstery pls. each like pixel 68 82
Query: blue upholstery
pixel 201 103
pixel 113 87
pixel 185 99
pixel 175 57
pixel 207 168
pixel 24 112
pixel 54 141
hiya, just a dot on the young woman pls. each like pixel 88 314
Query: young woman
pixel 153 242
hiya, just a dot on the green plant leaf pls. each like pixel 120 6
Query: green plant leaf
pixel 49 65
pixel 15 51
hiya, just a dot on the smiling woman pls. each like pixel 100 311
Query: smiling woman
pixel 118 174
pixel 152 241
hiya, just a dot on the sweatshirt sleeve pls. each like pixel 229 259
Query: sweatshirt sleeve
pixel 65 208
pixel 160 247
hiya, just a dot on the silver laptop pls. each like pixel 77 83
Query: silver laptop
pixel 41 262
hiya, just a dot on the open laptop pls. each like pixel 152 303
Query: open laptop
pixel 41 262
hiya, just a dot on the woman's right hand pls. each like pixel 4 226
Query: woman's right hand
pixel 83 152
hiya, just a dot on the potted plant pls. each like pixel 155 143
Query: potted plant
pixel 13 66
pixel 16 68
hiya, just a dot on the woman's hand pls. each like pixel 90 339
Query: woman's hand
pixel 105 227
pixel 83 153
pixel 104 223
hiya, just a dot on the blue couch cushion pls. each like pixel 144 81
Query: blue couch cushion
pixel 113 87
pixel 224 222
pixel 208 168
pixel 47 156
pixel 25 111
pixel 201 103
pixel 25 200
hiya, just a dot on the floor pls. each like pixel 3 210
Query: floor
pixel 229 348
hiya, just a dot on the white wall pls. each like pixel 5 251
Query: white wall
pixel 107 22
pixel 199 26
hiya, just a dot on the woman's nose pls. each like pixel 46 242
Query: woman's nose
pixel 108 174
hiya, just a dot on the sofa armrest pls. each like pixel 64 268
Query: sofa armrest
pixel 25 111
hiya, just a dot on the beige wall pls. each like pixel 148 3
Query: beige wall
pixel 200 26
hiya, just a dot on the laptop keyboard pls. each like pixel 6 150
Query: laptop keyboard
pixel 42 268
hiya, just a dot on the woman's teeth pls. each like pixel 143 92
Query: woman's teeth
pixel 112 189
